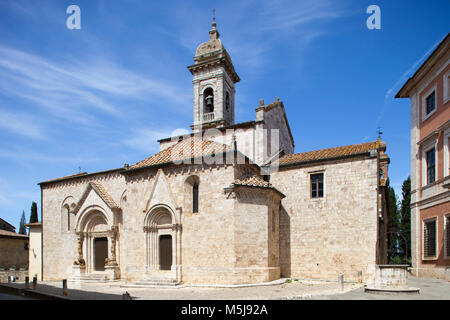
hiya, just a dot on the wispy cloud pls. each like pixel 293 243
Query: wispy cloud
pixel 73 89
pixel 21 124
pixel 254 28
pixel 407 74
pixel 391 91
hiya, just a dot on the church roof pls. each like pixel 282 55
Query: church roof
pixel 330 153
pixel 186 149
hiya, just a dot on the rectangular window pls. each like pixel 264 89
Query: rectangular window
pixel 317 185
pixel 431 102
pixel 429 239
pixel 431 167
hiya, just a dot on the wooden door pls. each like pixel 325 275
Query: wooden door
pixel 100 253
pixel 165 252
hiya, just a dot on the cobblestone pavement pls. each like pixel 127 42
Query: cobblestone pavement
pixel 301 289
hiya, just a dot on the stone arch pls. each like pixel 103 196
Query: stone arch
pixel 92 224
pixel 67 219
pixel 209 98
pixel 190 184
pixel 161 221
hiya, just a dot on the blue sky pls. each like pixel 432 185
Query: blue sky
pixel 101 96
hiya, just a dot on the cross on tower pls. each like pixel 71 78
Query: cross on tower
pixel 214 15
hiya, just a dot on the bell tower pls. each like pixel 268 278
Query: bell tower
pixel 213 79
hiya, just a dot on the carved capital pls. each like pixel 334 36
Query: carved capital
pixel 176 227
pixel 149 229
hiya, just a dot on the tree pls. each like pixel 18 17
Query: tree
pixel 22 229
pixel 393 223
pixel 34 213
pixel 405 213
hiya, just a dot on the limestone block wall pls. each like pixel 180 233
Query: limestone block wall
pixel 207 236
pixel 323 237
pixel 59 244
pixel 252 234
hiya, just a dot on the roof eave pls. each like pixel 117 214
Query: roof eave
pixel 325 159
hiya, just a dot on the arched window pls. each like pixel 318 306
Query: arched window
pixel 227 101
pixel 195 198
pixel 208 100
pixel 191 193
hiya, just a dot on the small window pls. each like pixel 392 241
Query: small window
pixel 195 198
pixel 429 239
pixel 317 185
pixel 431 102
pixel 431 166
pixel 227 101
pixel 25 246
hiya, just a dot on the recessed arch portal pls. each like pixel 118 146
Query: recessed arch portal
pixel 162 237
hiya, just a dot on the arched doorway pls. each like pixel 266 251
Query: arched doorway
pixel 96 243
pixel 163 236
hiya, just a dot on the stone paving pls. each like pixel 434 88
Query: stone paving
pixel 297 289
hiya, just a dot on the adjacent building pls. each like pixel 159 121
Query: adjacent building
pixel 429 92
pixel 13 247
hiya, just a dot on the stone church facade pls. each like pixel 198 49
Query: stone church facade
pixel 227 204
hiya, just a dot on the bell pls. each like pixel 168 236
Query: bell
pixel 209 100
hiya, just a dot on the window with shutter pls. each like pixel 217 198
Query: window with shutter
pixel 429 244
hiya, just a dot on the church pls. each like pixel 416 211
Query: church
pixel 229 203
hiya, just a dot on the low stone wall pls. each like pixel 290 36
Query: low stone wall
pixel 19 275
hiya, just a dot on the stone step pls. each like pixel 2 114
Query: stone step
pixel 154 283
pixel 91 277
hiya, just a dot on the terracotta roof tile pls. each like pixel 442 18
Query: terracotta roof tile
pixel 104 195
pixel 186 149
pixel 252 181
pixel 331 153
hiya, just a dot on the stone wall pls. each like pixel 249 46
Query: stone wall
pixel 18 274
pixel 323 237
pixel 13 252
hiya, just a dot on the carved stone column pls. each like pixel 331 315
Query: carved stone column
pixel 111 266
pixel 79 265
pixel 79 261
